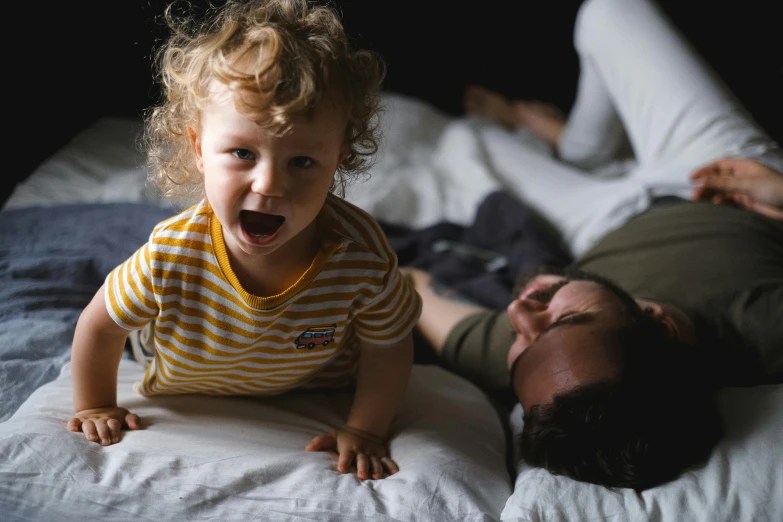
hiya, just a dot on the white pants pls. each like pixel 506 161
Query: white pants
pixel 640 81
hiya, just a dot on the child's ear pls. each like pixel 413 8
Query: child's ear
pixel 195 144
pixel 344 151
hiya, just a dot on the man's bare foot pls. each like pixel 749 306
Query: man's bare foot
pixel 478 100
pixel 543 119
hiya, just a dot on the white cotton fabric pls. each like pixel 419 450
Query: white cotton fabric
pixel 243 459
pixel 742 481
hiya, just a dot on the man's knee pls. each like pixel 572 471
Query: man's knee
pixel 598 18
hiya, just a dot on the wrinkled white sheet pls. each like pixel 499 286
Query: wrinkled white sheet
pixel 242 459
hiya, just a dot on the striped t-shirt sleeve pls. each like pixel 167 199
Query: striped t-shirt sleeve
pixel 392 314
pixel 128 290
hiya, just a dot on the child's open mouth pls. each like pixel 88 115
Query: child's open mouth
pixel 259 225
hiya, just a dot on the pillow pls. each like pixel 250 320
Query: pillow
pixel 102 163
pixel 242 458
pixel 742 481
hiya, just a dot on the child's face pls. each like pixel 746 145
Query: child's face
pixel 267 190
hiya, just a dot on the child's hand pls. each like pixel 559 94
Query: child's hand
pixel 103 425
pixel 368 451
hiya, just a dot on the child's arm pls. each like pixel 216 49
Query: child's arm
pixel 380 386
pixel 95 356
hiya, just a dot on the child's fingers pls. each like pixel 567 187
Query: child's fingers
pixel 390 465
pixel 103 432
pixel 377 468
pixel 115 427
pixel 88 427
pixel 322 442
pixel 344 461
pixel 362 466
pixel 75 424
pixel 133 421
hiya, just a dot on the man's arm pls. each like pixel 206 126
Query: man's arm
pixel 440 312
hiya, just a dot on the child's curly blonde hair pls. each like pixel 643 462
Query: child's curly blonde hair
pixel 291 54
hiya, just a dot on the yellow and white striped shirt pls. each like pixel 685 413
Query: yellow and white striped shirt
pixel 212 336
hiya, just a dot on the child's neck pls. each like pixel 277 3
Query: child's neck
pixel 273 274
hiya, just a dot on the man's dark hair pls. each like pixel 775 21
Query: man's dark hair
pixel 657 418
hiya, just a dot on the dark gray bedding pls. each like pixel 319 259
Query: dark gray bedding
pixel 52 261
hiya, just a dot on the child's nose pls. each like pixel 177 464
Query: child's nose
pixel 268 180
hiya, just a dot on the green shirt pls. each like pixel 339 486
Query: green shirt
pixel 723 266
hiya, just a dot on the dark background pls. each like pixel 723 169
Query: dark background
pixel 73 62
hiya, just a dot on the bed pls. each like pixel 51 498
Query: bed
pixel 220 458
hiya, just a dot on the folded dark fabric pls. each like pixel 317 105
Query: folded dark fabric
pixel 483 261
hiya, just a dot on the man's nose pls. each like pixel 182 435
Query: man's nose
pixel 268 179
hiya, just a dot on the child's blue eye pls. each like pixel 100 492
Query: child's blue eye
pixel 301 162
pixel 243 154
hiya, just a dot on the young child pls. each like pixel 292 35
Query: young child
pixel 271 282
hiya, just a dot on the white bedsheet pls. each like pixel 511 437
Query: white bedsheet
pixel 242 459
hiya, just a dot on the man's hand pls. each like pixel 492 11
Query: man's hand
pixel 368 451
pixel 742 182
pixel 103 425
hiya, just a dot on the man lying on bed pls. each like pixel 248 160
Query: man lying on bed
pixel 614 360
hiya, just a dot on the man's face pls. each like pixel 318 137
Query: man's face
pixel 563 339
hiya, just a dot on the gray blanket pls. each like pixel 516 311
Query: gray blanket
pixel 52 261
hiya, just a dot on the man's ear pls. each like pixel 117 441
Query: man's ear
pixel 195 144
pixel 652 309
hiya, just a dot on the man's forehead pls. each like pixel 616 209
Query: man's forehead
pixel 573 347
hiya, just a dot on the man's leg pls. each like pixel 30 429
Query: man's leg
pixel 593 134
pixel 678 114
pixel 580 206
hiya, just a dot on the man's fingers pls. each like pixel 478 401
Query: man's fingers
pixel 718 189
pixel 390 465
pixel 724 166
pixel 729 183
pixel 699 193
pixel 345 460
pixel 133 421
pixel 322 442
pixel 705 172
